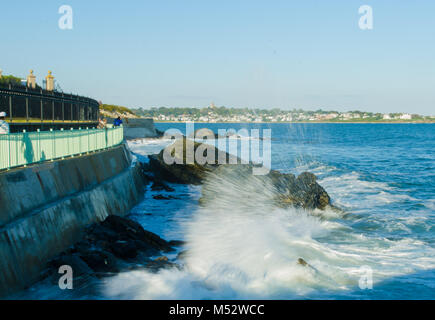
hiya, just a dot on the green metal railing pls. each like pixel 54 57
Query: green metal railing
pixel 21 149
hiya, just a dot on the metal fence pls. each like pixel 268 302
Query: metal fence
pixel 20 149
pixel 23 104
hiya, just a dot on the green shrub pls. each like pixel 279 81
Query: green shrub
pixel 115 109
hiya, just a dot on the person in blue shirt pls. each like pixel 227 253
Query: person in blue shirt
pixel 117 122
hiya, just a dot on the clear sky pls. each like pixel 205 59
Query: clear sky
pixel 288 54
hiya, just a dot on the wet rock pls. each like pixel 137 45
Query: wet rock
pixel 161 197
pixel 279 189
pixel 131 230
pixel 111 246
pixel 159 133
pixel 161 186
pixel 184 174
pixel 145 170
pixel 302 191
pixel 100 260
pixel 78 266
pixel 160 263
pixel 146 248
pixel 162 259
pixel 305 264
pixel 302 262
pixel 184 170
pixel 101 232
pixel 177 243
pixel 124 249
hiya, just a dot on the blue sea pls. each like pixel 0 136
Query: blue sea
pixel 380 245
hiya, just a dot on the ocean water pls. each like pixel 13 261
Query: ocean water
pixel 381 246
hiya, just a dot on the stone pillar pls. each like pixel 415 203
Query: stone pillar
pixel 49 82
pixel 1 73
pixel 31 80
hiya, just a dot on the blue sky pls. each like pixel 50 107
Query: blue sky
pixel 288 54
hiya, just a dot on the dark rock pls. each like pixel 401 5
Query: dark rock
pixel 78 266
pixel 124 249
pixel 100 260
pixel 111 246
pixel 131 230
pixel 100 232
pixel 162 258
pixel 161 197
pixel 282 190
pixel 159 133
pixel 302 191
pixel 146 248
pixel 302 262
pixel 176 243
pixel 181 171
pixel 148 175
pixel 145 170
pixel 160 186
pixel 160 263
pixel 80 247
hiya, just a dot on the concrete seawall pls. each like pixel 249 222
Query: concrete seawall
pixel 44 208
pixel 138 128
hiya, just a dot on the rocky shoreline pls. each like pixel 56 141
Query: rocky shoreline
pixel 114 245
pixel 120 244
pixel 302 191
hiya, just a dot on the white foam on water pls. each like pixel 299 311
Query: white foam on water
pixel 239 255
pixel 240 246
pixel 148 146
pixel 430 204
pixel 350 191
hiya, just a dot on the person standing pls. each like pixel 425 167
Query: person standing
pixel 117 122
pixel 4 126
pixel 102 124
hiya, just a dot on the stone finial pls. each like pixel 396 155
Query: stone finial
pixel 49 82
pixel 31 80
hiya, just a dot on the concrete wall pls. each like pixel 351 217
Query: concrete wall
pixel 44 208
pixel 138 128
